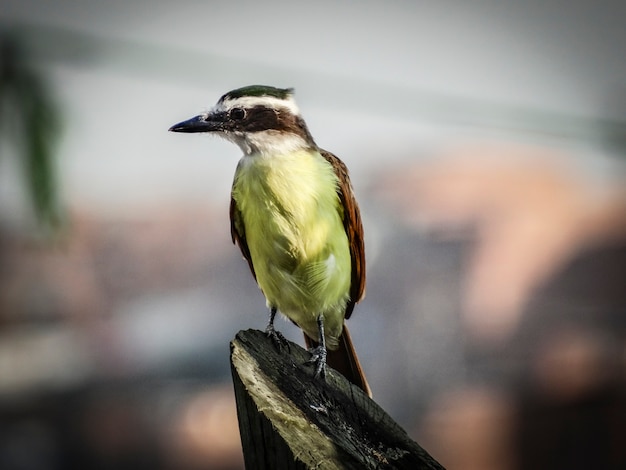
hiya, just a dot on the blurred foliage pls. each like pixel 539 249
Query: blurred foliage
pixel 30 120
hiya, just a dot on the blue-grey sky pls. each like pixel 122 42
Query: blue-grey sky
pixel 378 82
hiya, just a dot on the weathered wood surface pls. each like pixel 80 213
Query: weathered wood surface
pixel 289 420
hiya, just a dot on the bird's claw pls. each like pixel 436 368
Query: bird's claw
pixel 318 357
pixel 280 342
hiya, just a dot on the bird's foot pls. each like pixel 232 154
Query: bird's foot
pixel 318 357
pixel 280 342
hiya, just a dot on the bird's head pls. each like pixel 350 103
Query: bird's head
pixel 260 119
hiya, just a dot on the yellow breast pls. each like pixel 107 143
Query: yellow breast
pixel 293 222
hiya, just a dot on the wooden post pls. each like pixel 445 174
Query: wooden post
pixel 289 420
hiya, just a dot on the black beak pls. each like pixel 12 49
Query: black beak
pixel 202 123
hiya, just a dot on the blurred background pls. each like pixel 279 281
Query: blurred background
pixel 486 142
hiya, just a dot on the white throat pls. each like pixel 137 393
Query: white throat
pixel 267 143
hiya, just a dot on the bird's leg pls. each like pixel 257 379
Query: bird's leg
pixel 276 336
pixel 319 353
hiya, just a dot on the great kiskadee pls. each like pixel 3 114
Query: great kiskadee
pixel 295 218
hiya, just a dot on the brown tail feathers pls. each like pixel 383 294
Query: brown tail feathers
pixel 344 360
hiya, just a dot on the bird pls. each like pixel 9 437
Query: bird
pixel 295 218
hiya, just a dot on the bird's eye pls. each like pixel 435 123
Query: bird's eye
pixel 237 114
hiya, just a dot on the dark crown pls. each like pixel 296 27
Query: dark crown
pixel 258 90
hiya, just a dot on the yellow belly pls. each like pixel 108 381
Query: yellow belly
pixel 298 245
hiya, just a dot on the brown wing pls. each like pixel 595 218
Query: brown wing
pixel 354 229
pixel 238 233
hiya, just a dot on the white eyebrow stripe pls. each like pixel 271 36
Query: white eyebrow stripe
pixel 265 101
